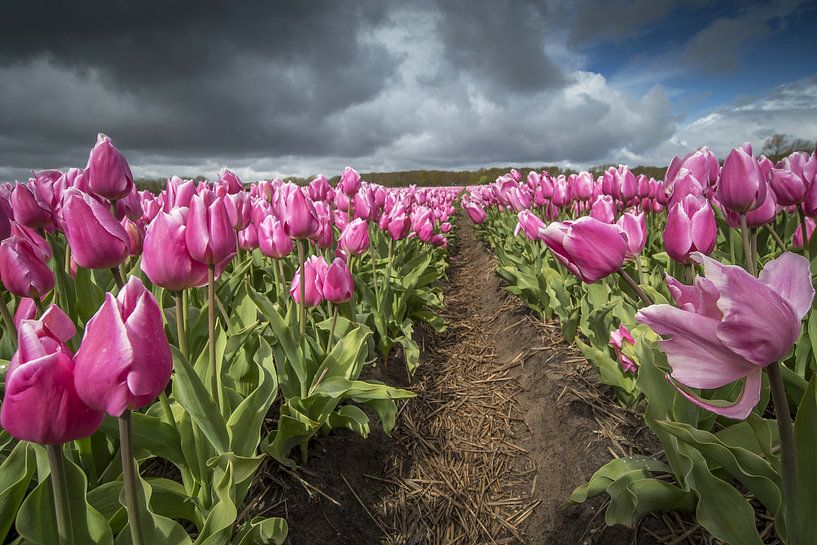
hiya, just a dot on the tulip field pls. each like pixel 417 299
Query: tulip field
pixel 161 352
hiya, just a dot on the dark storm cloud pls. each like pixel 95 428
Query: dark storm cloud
pixel 254 77
pixel 615 19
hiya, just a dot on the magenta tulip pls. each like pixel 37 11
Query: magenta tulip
pixel 729 325
pixel 742 186
pixel 635 227
pixel 210 236
pixel 165 257
pixel 355 237
pixel 97 240
pixel 29 209
pixel 248 238
pixel 272 240
pixel 617 339
pixel 338 284
pixel 22 269
pixel 315 268
pixel 41 403
pixel 319 188
pixel 108 173
pixel 476 213
pixel 604 209
pixel 349 182
pixel 300 217
pixel 530 223
pixel 239 209
pixel 589 248
pixel 797 238
pixel 136 235
pixel 788 187
pixel 124 361
pixel 231 182
pixel 690 228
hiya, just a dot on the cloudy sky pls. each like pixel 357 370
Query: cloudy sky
pixel 271 87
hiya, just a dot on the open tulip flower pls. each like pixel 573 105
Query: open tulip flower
pixel 166 260
pixel 41 403
pixel 589 248
pixel 729 325
pixel 315 267
pixel 124 362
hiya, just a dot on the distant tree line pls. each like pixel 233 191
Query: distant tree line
pixel 778 146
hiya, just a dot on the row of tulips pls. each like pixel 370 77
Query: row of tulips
pixel 156 349
pixel 688 296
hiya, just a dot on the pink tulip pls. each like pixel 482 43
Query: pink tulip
pixel 788 187
pixel 729 325
pixel 231 182
pixel 178 193
pixel 136 235
pixel 355 237
pixel 690 228
pixel 530 223
pixel 325 237
pixel 476 213
pixel 300 217
pixel 589 248
pixel 338 284
pixel 248 238
pixel 604 209
pixel 763 214
pixel 239 209
pixel 97 240
pixel 635 227
pixel 397 224
pixel 108 173
pixel 26 310
pixel 166 259
pixel 22 269
pixel 272 240
pixel 617 339
pixel 210 236
pixel 40 403
pixel 29 209
pixel 124 361
pixel 742 186
pixel 315 268
pixel 797 238
pixel 349 182
pixel 319 188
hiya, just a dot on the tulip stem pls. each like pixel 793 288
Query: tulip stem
pixel 38 303
pixel 747 246
pixel 180 325
pixel 211 329
pixel 787 462
pixel 59 483
pixel 804 227
pixel 302 293
pixel 129 478
pixel 332 328
pixel 8 320
pixel 636 288
pixel 282 286
pixel 386 310
pixel 117 277
pixel 639 269
pixel 776 237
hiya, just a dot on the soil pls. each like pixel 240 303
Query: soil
pixel 502 431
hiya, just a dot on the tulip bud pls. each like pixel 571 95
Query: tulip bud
pixel 248 238
pixel 319 188
pixel 338 284
pixel 136 235
pixel 299 217
pixel 789 188
pixel 476 213
pixel 617 339
pixel 272 240
pixel 29 209
pixel 97 240
pixel 210 236
pixel 355 237
pixel 41 403
pixel 124 361
pixel 797 238
pixel 239 209
pixel 576 244
pixel 349 181
pixel 108 173
pixel 742 185
pixel 315 268
pixel 690 228
pixel 22 269
pixel 166 260
pixel 635 227
pixel 530 223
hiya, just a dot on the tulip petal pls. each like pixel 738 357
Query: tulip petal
pixel 757 323
pixel 790 277
pixel 741 408
pixel 698 357
pixel 701 298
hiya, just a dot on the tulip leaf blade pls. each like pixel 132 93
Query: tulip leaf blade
pixel 16 473
pixel 805 445
pixel 151 434
pixel 199 403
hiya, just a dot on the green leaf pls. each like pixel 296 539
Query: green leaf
pixel 611 471
pixel 15 474
pixel 293 429
pixel 351 417
pixel 805 445
pixel 37 522
pixel 151 434
pixel 634 495
pixel 263 531
pixel 155 528
pixel 197 401
pixel 339 387
pixel 244 424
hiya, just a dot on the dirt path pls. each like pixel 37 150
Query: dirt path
pixel 487 453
